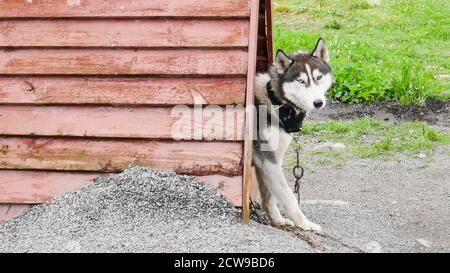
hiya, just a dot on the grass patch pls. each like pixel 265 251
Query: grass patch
pixel 368 137
pixel 411 87
pixel 360 5
pixel 333 25
pixel 380 50
pixel 282 9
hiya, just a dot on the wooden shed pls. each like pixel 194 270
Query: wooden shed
pixel 87 87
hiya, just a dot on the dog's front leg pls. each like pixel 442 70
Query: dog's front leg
pixel 273 178
pixel 269 203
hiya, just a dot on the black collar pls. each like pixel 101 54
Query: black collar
pixel 289 119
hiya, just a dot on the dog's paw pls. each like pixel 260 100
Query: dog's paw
pixel 282 222
pixel 310 226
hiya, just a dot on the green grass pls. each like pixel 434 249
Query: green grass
pixel 380 49
pixel 368 137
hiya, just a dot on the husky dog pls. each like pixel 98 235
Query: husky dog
pixel 295 85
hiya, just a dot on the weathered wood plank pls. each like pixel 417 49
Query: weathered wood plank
pixel 35 187
pixel 124 33
pixel 212 123
pixel 120 91
pixel 8 211
pixel 249 100
pixel 125 62
pixel 269 31
pixel 262 64
pixel 261 24
pixel 230 187
pixel 124 8
pixel 198 158
pixel 262 46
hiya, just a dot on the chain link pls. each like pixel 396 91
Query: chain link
pixel 298 170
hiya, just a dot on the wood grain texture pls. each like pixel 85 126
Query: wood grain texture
pixel 198 158
pixel 212 123
pixel 262 65
pixel 261 24
pixel 269 31
pixel 124 8
pixel 35 187
pixel 249 102
pixel 8 211
pixel 262 46
pixel 123 62
pixel 120 91
pixel 124 33
pixel 230 187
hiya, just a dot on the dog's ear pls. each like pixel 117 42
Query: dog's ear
pixel 321 51
pixel 282 61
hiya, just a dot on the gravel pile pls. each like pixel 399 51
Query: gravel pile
pixel 141 210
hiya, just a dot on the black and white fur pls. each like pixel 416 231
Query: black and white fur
pixel 300 81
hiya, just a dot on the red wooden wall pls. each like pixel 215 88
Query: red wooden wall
pixel 87 88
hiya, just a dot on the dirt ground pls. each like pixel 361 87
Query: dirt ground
pixel 395 205
pixel 434 112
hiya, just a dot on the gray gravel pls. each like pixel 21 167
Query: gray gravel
pixel 141 210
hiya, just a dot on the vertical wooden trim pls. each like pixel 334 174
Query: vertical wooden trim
pixel 269 29
pixel 249 102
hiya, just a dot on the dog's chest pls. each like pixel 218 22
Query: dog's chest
pixel 285 140
pixel 277 140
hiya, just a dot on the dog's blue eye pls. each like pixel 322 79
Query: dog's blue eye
pixel 301 81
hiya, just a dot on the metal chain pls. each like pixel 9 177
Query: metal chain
pixel 257 214
pixel 298 170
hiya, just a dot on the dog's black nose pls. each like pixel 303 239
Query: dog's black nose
pixel 318 103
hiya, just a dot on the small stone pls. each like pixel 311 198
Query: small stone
pixel 443 76
pixel 73 247
pixel 422 156
pixel 394 202
pixel 374 247
pixel 425 243
pixel 338 146
pixel 374 2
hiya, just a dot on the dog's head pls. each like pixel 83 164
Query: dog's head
pixel 302 79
